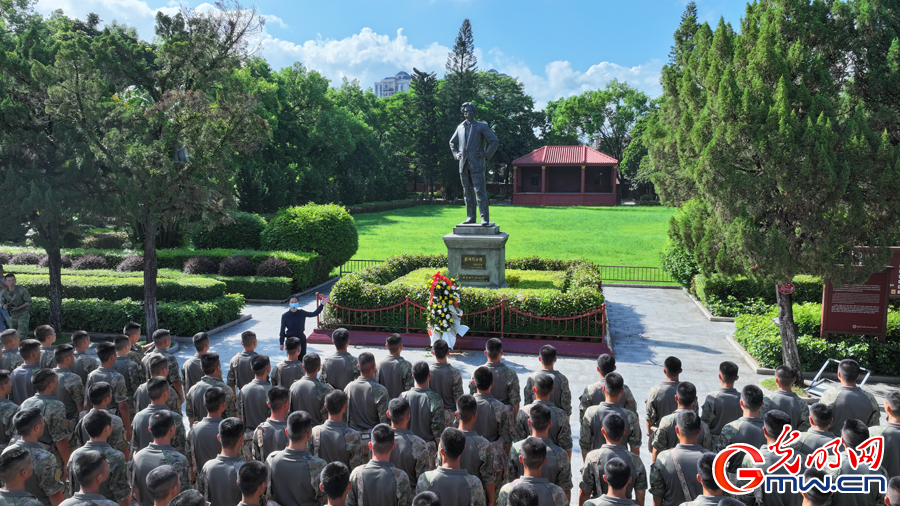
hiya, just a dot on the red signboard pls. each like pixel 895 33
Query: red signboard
pixel 787 288
pixel 857 309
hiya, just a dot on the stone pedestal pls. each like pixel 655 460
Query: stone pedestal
pixel 476 255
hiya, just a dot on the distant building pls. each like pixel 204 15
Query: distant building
pixel 493 71
pixel 391 85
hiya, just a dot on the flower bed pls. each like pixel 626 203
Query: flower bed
pixel 731 296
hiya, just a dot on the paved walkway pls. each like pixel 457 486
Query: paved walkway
pixel 647 325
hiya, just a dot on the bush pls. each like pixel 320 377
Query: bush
pixel 759 335
pixel 90 262
pixel 679 263
pixel 328 230
pixel 64 260
pixel 4 258
pixel 274 268
pixel 106 240
pixel 183 318
pixel 200 265
pixel 25 259
pixel 132 263
pixel 241 231
pixel 256 287
pixel 730 293
pixel 236 266
pixel 117 288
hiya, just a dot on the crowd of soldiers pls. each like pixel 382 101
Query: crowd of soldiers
pixel 108 430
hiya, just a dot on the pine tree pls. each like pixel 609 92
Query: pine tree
pixel 427 117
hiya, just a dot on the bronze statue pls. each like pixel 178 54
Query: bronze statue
pixel 467 143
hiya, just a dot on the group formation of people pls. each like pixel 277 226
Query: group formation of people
pixel 345 430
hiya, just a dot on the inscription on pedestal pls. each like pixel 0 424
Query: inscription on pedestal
pixel 474 262
pixel 472 277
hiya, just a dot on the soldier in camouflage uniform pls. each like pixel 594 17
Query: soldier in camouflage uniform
pixel 394 371
pixel 293 462
pixel 784 399
pixel 47 336
pixel 665 437
pixel 159 453
pixel 591 438
pixel 446 381
pixel 362 413
pixel 558 468
pixel 426 408
pixel 158 389
pixel 202 443
pixel 57 430
pixel 712 494
pixel 217 481
pixel 617 475
pixel 411 453
pixel 290 370
pixel 668 481
pixel 162 339
pixel 560 430
pixel 452 482
pixel 10 359
pixel 380 483
pixel 661 399
pixel 137 351
pixel 723 406
pixel 140 399
pixel 775 421
pixel 106 352
pixel 70 389
pixel 853 434
pixel 593 393
pixel 534 452
pixel 91 470
pixel 270 435
pixel 506 382
pixel 747 429
pixel 212 370
pixel 239 370
pixel 308 393
pixel 334 441
pixel 98 424
pixel 562 395
pixel 8 409
pixel 17 302
pixel 133 373
pixel 592 484
pixel 891 433
pixel 477 459
pixel 84 363
pixel 818 435
pixel 15 465
pixel 192 369
pixel 340 368
pixel 46 481
pixel 494 420
pixel 848 401
pixel 100 395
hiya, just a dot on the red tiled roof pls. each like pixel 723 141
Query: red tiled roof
pixel 565 155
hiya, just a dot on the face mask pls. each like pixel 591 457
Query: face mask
pixel 295 305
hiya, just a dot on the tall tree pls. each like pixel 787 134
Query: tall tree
pixel 789 178
pixel 429 144
pixel 460 85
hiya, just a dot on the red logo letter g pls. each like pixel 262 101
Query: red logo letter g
pixel 753 474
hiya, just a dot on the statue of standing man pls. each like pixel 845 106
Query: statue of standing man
pixel 467 145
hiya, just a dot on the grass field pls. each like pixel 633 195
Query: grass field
pixel 631 236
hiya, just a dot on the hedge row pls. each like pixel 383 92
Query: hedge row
pixel 183 318
pixel 371 288
pixel 730 296
pixel 257 287
pixel 759 335
pixel 117 288
pixel 307 268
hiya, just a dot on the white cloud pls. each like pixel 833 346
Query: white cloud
pixel 272 19
pixel 134 13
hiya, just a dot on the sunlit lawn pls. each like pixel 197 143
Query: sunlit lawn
pixel 631 236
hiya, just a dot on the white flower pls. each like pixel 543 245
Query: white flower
pixel 446 292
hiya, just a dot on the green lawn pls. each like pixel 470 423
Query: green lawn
pixel 631 236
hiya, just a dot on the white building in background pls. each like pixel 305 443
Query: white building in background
pixel 391 85
pixel 493 71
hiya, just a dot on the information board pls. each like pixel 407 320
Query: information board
pixel 857 309
pixel 474 262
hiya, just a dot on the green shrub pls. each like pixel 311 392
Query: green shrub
pixel 257 287
pixel 182 318
pixel 117 288
pixel 106 240
pixel 307 268
pixel 132 263
pixel 678 263
pixel 273 267
pixel 328 230
pixel 733 295
pixel 63 259
pixel 241 231
pixel 90 261
pixel 236 266
pixel 26 258
pixel 200 265
pixel 759 335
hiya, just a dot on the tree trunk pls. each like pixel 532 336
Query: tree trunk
pixel 54 262
pixel 150 226
pixel 789 352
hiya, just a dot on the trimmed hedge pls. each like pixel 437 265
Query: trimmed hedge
pixel 759 335
pixel 242 233
pixel 731 296
pixel 329 230
pixel 117 288
pixel 183 318
pixel 372 288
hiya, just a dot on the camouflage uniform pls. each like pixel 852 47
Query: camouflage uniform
pixel 661 402
pixel 116 381
pixel 141 399
pixel 482 467
pixel 47 477
pixel 8 409
pixel 592 482
pixel 300 392
pixel 287 372
pixel 239 371
pixel 80 498
pixel 84 364
pixel 592 439
pixel 412 454
pixel 840 400
pixel 558 468
pixel 560 429
pixel 20 318
pixel 402 488
pixel 502 441
pixel 70 391
pixel 116 487
pixel 561 395
pixel 506 384
pixel 134 378
pixel 450 391
pixel 11 359
pixel 57 427
pixel 221 492
pixel 140 435
pixel 720 408
pixel 395 373
pixel 874 497
pixel 47 359
pixel 269 437
pixel 343 362
pixel 665 437
pixel 427 482
pixel 283 466
pixel 357 416
pixel 136 354
pixel 19 498
pixel 593 395
pixel 664 481
pixel 194 404
pixel 116 439
pixel 790 403
pixel 357 451
pixel 743 430
pixel 542 487
pixel 435 420
pixel 891 434
pixel 150 458
pixel 174 370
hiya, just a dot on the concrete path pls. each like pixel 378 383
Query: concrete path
pixel 647 325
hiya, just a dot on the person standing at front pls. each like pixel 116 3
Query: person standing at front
pixel 293 324
pixel 17 302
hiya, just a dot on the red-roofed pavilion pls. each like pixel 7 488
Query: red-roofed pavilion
pixel 565 176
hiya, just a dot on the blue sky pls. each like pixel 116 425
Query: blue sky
pixel 556 48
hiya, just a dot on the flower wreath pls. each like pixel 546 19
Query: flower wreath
pixel 444 295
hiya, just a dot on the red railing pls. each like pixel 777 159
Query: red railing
pixel 501 321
